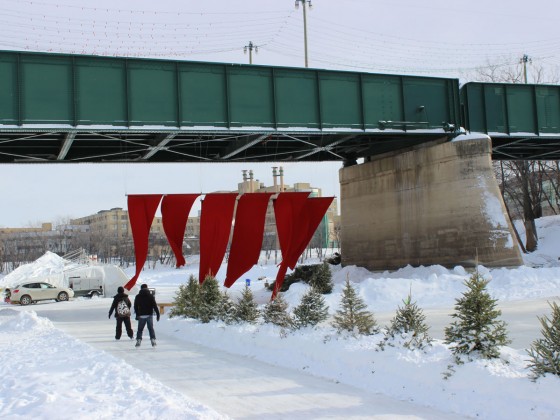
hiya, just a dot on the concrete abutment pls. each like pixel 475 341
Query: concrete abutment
pixel 436 204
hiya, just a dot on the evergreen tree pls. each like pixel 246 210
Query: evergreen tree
pixel 210 299
pixel 246 309
pixel 187 300
pixel 321 279
pixel 545 351
pixel 477 328
pixel 226 312
pixel 409 324
pixel 276 312
pixel 353 315
pixel 311 310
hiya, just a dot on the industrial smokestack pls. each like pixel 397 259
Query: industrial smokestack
pixel 281 179
pixel 244 174
pixel 274 175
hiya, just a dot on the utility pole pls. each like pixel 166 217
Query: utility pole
pixel 250 47
pixel 524 60
pixel 304 4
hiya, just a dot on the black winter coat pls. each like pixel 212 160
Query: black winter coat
pixel 116 299
pixel 145 303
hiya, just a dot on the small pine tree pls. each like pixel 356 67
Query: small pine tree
pixel 477 328
pixel 187 300
pixel 321 279
pixel 353 315
pixel 246 309
pixel 311 310
pixel 276 312
pixel 409 324
pixel 545 351
pixel 226 312
pixel 210 299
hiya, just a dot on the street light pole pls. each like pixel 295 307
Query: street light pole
pixel 525 59
pixel 250 47
pixel 304 4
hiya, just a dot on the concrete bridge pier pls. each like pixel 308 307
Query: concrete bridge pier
pixel 435 204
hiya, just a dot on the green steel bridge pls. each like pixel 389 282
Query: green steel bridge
pixel 73 108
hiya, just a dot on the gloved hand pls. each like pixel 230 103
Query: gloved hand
pixel 109 316
pixel 157 318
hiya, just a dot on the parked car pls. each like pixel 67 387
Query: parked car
pixel 27 293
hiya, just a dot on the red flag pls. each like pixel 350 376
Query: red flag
pixel 215 227
pixel 304 226
pixel 248 233
pixel 175 209
pixel 310 217
pixel 141 212
pixel 287 207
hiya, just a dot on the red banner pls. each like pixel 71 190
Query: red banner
pixel 287 208
pixel 311 215
pixel 175 209
pixel 303 226
pixel 215 227
pixel 248 233
pixel 141 212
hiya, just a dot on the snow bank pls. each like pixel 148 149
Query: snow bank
pixel 50 375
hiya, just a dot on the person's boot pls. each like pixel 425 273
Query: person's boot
pixel 138 342
pixel 153 340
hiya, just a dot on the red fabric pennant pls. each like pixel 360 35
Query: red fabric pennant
pixel 303 227
pixel 248 234
pixel 215 227
pixel 310 217
pixel 287 207
pixel 141 212
pixel 175 209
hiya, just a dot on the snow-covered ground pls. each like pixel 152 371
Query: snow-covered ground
pixel 59 360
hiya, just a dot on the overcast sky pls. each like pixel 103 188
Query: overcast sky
pixel 430 37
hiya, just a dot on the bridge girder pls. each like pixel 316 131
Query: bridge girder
pixel 132 145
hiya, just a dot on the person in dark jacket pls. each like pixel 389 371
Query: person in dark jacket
pixel 121 317
pixel 144 307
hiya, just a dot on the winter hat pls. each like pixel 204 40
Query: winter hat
pixel 144 286
pixel 120 289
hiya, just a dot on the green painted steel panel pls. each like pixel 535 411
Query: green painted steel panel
pixel 203 95
pixel 46 90
pixel 100 91
pixel 251 101
pixel 340 100
pixel 473 100
pixel 152 93
pixel 521 109
pixel 8 90
pixel 87 90
pixel 505 108
pixel 548 106
pixel 426 100
pixel 382 99
pixel 297 100
pixel 495 108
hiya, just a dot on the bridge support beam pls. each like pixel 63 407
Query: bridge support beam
pixel 436 204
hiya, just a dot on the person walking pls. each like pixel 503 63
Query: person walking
pixel 121 305
pixel 144 307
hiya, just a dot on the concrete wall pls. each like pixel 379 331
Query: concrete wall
pixel 437 204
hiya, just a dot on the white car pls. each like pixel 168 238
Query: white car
pixel 27 293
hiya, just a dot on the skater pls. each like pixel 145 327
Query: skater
pixel 144 307
pixel 121 305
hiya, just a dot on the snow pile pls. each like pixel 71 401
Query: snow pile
pixel 48 268
pixel 489 389
pixel 48 375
